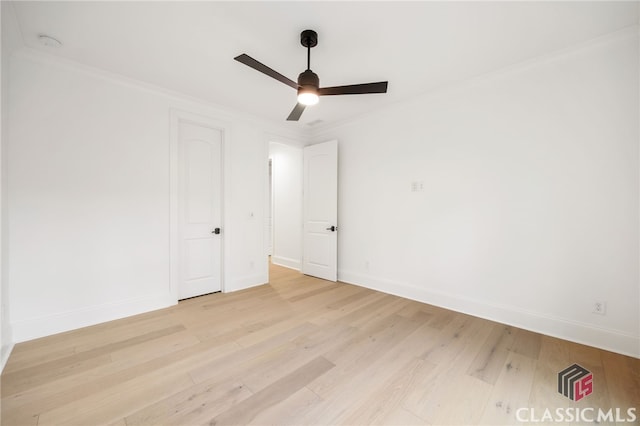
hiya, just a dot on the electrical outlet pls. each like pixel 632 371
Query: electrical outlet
pixel 600 307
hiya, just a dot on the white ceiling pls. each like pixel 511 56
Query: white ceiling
pixel 189 47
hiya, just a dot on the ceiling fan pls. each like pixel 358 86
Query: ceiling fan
pixel 308 85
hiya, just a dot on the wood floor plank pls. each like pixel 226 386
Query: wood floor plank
pixel 243 358
pixel 245 411
pixel 452 406
pixel 122 359
pixel 164 345
pixel 356 354
pixel 527 343
pixel 389 306
pixel 489 361
pixel 355 294
pixel 37 357
pixel 124 392
pixel 19 380
pixel 462 336
pixel 402 417
pixel 313 292
pixel 346 310
pixel 112 404
pixel 195 405
pixel 623 380
pixel 288 411
pixel 452 352
pixel 17 408
pixel 269 330
pixel 356 389
pixel 386 400
pixel 441 317
pixel 303 350
pixel 511 391
pixel 344 393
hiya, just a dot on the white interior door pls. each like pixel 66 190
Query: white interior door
pixel 320 216
pixel 200 210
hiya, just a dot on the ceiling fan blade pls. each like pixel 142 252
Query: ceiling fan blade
pixel 258 66
pixel 355 89
pixel 296 112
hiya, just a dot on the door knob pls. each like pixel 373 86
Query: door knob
pixel 216 231
pixel 332 228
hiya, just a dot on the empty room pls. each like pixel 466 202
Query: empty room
pixel 320 213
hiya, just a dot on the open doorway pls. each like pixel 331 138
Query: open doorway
pixel 302 205
pixel 283 226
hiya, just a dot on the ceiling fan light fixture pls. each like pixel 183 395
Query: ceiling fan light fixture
pixel 308 83
pixel 308 97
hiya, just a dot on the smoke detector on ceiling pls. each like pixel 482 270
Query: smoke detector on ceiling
pixel 49 41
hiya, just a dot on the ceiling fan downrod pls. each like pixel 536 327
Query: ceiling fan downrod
pixel 309 39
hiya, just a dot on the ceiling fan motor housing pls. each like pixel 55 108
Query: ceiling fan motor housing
pixel 308 81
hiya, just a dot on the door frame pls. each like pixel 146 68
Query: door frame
pixel 176 117
pixel 295 143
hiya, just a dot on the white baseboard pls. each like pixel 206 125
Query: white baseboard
pixel 4 355
pixel 563 328
pixel 247 282
pixel 71 320
pixel 287 262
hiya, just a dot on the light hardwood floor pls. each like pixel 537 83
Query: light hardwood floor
pixel 302 351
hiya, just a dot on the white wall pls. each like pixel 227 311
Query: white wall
pixel 287 163
pixel 89 208
pixel 529 211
